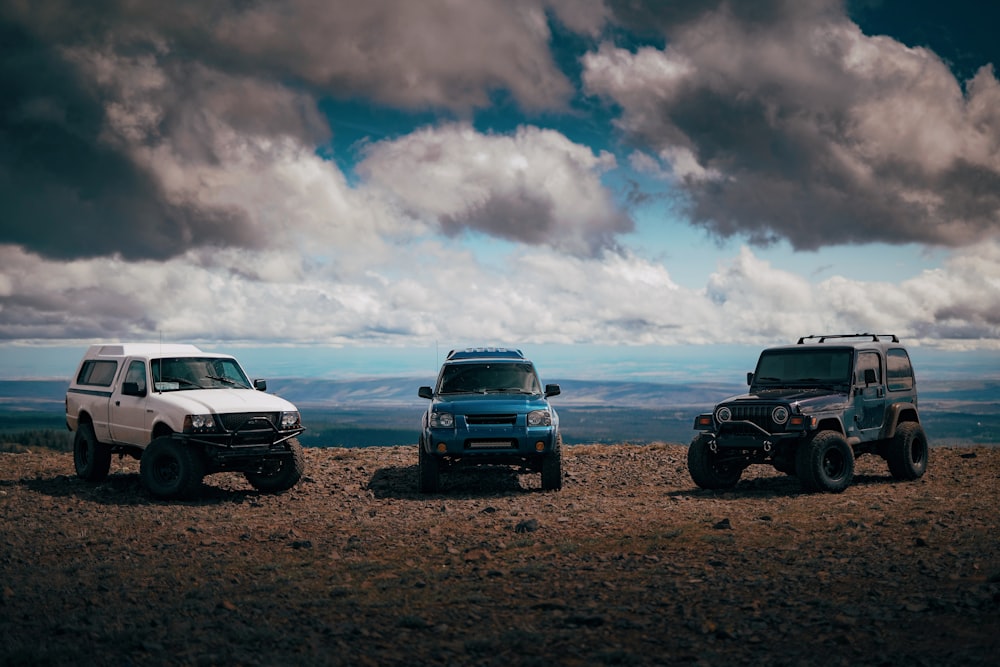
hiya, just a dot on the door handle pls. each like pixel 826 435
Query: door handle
pixel 118 404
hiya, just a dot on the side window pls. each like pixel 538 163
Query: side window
pixel 98 373
pixel 137 373
pixel 867 360
pixel 900 372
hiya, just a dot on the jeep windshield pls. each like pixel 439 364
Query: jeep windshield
pixel 182 373
pixel 803 368
pixel 488 378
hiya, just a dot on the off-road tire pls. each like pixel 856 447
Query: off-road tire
pixel 705 470
pixel 907 452
pixel 280 474
pixel 825 463
pixel 552 467
pixel 91 458
pixel 430 471
pixel 170 468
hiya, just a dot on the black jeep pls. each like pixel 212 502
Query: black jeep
pixel 811 409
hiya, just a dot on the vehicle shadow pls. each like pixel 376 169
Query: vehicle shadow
pixel 456 483
pixel 125 489
pixel 777 486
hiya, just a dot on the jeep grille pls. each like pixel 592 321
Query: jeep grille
pixel 476 420
pixel 758 414
pixel 237 420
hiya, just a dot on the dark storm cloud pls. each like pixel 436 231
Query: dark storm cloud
pixel 95 93
pixel 69 189
pixel 805 129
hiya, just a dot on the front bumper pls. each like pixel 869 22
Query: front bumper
pixel 255 436
pixel 490 442
pixel 746 435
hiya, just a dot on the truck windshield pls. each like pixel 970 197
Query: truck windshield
pixel 804 367
pixel 181 373
pixel 485 378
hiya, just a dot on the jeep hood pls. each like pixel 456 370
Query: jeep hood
pixel 808 399
pixel 480 404
pixel 223 401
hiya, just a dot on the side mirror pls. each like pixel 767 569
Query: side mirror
pixel 425 392
pixel 870 376
pixel 552 390
pixel 132 389
pixel 260 385
pixel 749 378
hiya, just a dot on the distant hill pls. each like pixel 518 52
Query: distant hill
pixel 386 411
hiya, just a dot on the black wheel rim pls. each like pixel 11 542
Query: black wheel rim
pixel 833 464
pixel 166 470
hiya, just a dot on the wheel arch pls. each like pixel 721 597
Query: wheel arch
pixel 160 429
pixel 830 424
pixel 896 414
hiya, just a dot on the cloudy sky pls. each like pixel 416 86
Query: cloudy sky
pixel 567 172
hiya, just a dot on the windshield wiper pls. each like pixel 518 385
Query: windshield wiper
pixel 180 381
pixel 509 390
pixel 226 380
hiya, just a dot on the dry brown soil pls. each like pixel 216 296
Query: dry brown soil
pixel 629 564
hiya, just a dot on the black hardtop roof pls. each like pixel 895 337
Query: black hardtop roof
pixel 486 353
pixel 866 341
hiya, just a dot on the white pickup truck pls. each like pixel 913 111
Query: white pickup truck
pixel 184 414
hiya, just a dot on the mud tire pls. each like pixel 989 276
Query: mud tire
pixel 705 469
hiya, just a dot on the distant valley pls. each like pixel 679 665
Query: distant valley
pixel 386 411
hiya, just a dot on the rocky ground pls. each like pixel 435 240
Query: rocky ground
pixel 629 564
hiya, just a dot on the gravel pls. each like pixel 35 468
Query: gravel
pixel 630 564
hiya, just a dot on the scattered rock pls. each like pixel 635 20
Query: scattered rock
pixel 526 526
pixel 635 567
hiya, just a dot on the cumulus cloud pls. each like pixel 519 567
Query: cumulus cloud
pixel 111 116
pixel 807 129
pixel 534 186
pixel 543 296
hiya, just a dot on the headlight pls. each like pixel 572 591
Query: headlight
pixel 442 420
pixel 290 420
pixel 539 418
pixel 723 414
pixel 779 414
pixel 199 423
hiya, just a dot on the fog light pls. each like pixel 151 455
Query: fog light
pixel 442 448
pixel 539 446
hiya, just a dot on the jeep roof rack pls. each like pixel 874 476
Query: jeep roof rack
pixel 485 352
pixel 874 337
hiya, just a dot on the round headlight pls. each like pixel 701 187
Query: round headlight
pixel 442 419
pixel 779 414
pixel 724 414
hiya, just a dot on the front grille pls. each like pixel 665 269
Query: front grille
pixel 237 420
pixel 758 414
pixel 481 420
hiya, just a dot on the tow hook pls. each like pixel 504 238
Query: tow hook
pixel 767 445
pixel 713 447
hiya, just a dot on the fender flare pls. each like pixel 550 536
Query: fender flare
pixel 893 414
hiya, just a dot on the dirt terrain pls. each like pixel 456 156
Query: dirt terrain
pixel 629 564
